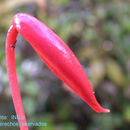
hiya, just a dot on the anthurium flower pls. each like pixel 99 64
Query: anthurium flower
pixel 56 55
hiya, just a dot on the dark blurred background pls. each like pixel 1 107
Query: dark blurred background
pixel 98 32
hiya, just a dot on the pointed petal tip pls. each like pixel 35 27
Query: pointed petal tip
pixel 105 111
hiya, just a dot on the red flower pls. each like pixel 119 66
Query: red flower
pixel 56 55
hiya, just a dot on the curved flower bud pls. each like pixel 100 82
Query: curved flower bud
pixel 56 55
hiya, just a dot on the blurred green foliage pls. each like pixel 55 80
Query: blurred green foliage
pixel 98 31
